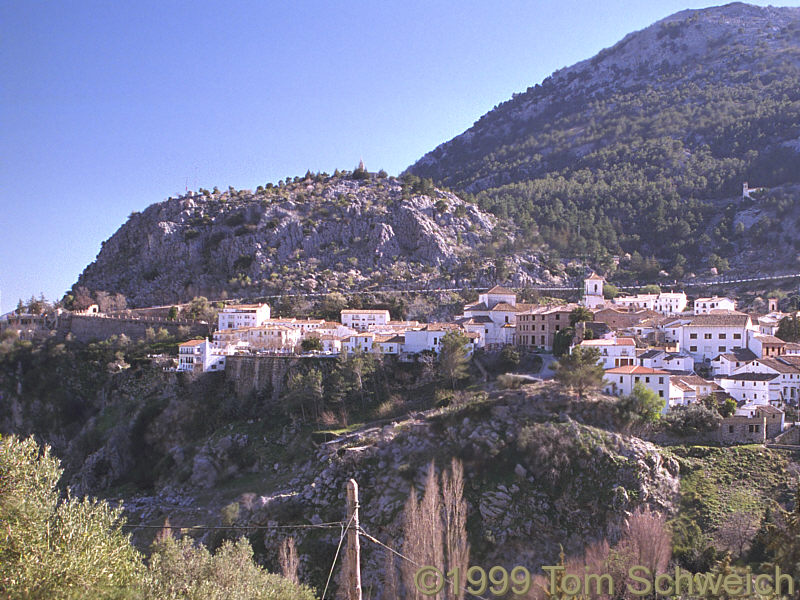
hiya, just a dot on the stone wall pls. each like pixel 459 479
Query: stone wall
pixel 86 328
pixel 267 373
pixel 741 429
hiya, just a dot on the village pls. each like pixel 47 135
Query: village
pixel 682 354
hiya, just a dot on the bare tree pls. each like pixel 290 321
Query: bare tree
pixel 288 560
pixel 455 522
pixel 391 587
pixel 646 542
pixel 435 531
pixel 736 532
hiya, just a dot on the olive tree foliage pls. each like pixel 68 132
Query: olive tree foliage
pixel 57 548
pixel 182 570
pixel 454 357
pixel 54 548
pixel 580 370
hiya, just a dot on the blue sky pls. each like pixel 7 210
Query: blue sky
pixel 108 107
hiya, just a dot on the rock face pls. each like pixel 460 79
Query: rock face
pixel 316 234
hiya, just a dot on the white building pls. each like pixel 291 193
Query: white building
pixel 593 292
pixel 199 356
pixel 755 388
pixel 787 371
pixel 428 337
pixel 668 361
pixel 363 319
pixel 619 381
pixel 243 315
pixel 616 352
pixel 706 336
pixel 726 364
pixel 665 303
pixel 358 342
pixel 703 306
pixel 495 313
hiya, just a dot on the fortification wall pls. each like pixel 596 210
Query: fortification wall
pixel 267 373
pixel 87 328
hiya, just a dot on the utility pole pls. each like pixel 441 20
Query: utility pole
pixel 353 561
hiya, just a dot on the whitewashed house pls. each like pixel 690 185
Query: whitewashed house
pixel 709 335
pixel 239 316
pixel 200 356
pixel 727 363
pixel 615 352
pixel 668 361
pixel 427 337
pixel 619 381
pixel 703 306
pixel 495 313
pixel 364 319
pixel 358 342
pixel 787 370
pixel 755 388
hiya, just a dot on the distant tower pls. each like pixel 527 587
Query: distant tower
pixel 361 166
pixel 593 291
pixel 773 304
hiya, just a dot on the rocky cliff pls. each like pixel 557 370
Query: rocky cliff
pixel 313 234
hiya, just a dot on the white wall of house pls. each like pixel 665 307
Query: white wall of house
pixel 704 306
pixel 620 381
pixel 362 320
pixel 613 353
pixel 244 315
pixel 754 391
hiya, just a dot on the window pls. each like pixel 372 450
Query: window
pixel 737 336
pixel 636 379
pixel 730 428
pixel 722 349
pixel 647 380
pixel 558 317
pixel 692 348
pixel 750 428
pixel 660 380
pixel 660 393
pixel 707 336
pixel 620 378
pixel 723 336
pixel 558 327
pixel 692 336
pixel 542 340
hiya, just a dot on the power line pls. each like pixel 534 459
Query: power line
pixel 336 556
pixel 331 525
pixel 404 557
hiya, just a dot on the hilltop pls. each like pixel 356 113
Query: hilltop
pixel 643 148
pixel 316 233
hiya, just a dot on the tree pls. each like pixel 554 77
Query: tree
pixel 53 547
pixel 562 341
pixel 173 313
pixel 580 370
pixel 200 309
pixel 789 329
pixel 435 531
pixel 642 405
pixel 610 291
pixel 182 570
pixel 651 289
pixel 509 358
pixel 737 532
pixel 311 344
pixel 580 315
pixel 304 393
pixel 453 357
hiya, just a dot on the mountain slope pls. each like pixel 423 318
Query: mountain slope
pixel 316 233
pixel 643 147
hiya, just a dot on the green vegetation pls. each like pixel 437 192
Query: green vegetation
pixel 580 370
pixel 634 162
pixel 54 548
